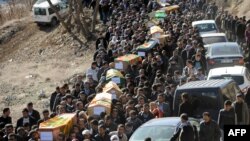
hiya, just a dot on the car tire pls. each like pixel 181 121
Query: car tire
pixel 53 22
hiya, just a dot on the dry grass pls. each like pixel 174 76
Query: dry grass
pixel 15 9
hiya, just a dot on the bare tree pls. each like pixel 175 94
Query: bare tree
pixel 75 17
pixel 75 22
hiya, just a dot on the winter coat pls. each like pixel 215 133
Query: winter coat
pixel 145 117
pixel 185 133
pixel 245 113
pixel 227 118
pixel 187 108
pixel 209 131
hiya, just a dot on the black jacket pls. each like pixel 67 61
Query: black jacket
pixel 99 138
pixel 187 108
pixel 240 30
pixel 4 121
pixel 185 133
pixel 20 122
pixel 52 100
pixel 36 115
pixel 226 118
pixel 145 117
pixel 209 131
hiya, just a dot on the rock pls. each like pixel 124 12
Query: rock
pixel 40 51
pixel 47 79
pixel 28 76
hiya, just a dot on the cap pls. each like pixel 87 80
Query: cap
pixel 127 76
pixel 85 132
pixel 68 96
pixel 114 138
pixel 239 95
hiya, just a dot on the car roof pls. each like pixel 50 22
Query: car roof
pixel 203 22
pixel 169 121
pixel 45 4
pixel 224 44
pixel 212 34
pixel 205 84
pixel 235 70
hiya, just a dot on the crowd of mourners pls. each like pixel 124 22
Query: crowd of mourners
pixel 149 85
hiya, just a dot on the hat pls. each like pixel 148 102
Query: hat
pixel 100 122
pixel 32 132
pixel 127 76
pixel 82 92
pixel 68 96
pixel 239 95
pixel 85 132
pixel 114 138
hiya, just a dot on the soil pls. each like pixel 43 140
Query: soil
pixel 36 59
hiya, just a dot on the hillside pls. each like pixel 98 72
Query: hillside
pixel 34 59
pixel 236 7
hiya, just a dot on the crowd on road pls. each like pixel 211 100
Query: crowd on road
pixel 149 85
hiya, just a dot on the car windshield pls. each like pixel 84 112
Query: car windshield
pixel 156 133
pixel 238 79
pixel 206 27
pixel 227 50
pixel 214 39
pixel 39 11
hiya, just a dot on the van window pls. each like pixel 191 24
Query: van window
pixel 201 99
pixel 206 27
pixel 63 5
pixel 51 11
pixel 39 11
pixel 238 79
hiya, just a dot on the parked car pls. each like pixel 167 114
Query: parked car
pixel 239 74
pixel 160 129
pixel 207 96
pixel 210 38
pixel 44 14
pixel 224 55
pixel 205 26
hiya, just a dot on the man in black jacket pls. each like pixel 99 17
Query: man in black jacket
pixel 185 106
pixel 32 112
pixel 240 30
pixel 233 28
pixel 145 115
pixel 227 116
pixel 209 129
pixel 102 135
pixel 5 118
pixel 26 119
pixel 53 98
pixel 184 131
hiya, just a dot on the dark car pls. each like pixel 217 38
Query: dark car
pixel 160 129
pixel 224 55
pixel 207 96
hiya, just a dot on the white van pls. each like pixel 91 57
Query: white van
pixel 44 14
pixel 239 74
pixel 206 26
